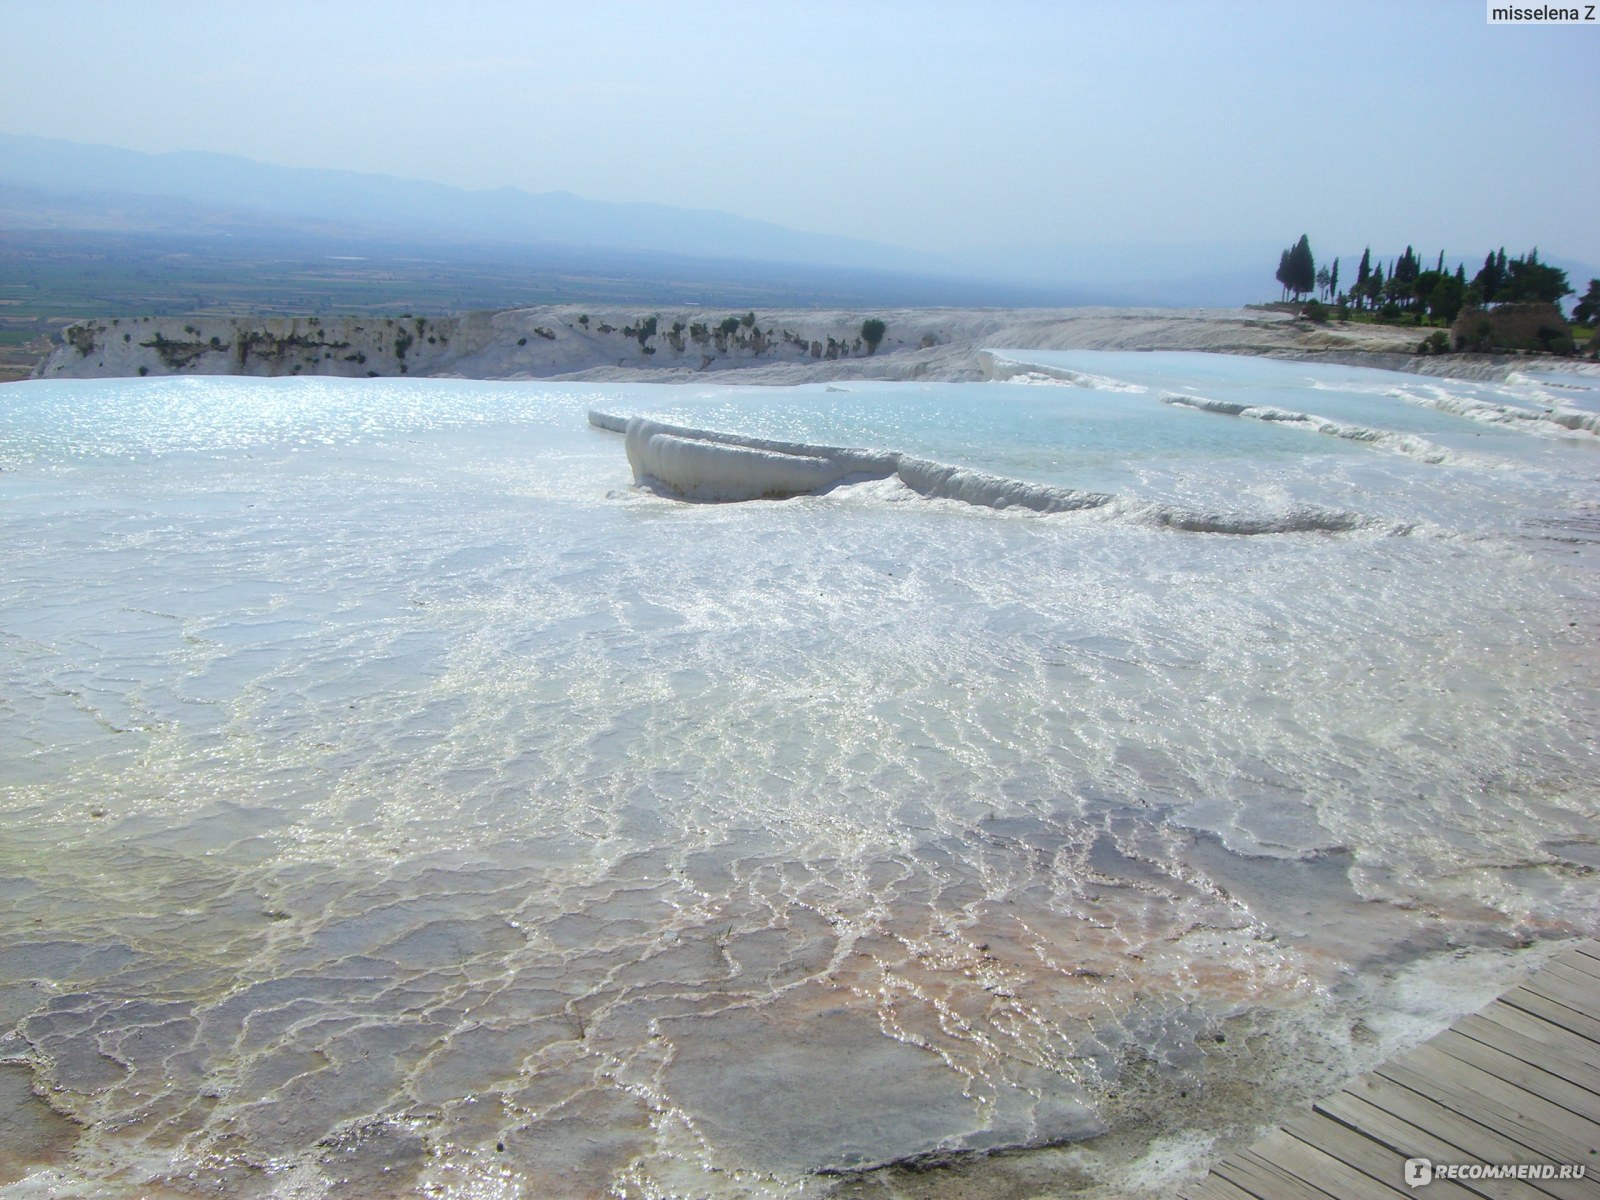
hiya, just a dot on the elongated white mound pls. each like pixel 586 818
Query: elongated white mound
pixel 997 366
pixel 1408 444
pixel 703 464
pixel 1439 400
pixel 713 471
pixel 710 465
pixel 940 480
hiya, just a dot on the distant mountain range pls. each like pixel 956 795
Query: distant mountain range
pixel 59 187
pixel 227 191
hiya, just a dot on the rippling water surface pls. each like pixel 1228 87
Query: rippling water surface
pixel 394 799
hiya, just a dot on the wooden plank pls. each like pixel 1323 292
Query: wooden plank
pixel 1214 1187
pixel 1439 1120
pixel 1575 960
pixel 1542 1006
pixel 1575 990
pixel 1558 1057
pixel 1281 1167
pixel 1590 948
pixel 1520 1073
pixel 1323 1170
pixel 1521 1116
pixel 1537 1029
pixel 1258 1177
pixel 1547 1128
pixel 1410 1140
pixel 1588 988
pixel 1372 1158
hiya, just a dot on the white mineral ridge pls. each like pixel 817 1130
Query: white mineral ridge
pixel 783 346
pixel 715 466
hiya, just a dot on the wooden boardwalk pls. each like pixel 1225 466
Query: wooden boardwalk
pixel 1516 1083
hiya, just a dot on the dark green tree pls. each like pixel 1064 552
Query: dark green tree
pixel 1305 266
pixel 1446 297
pixel 1492 276
pixel 1485 280
pixel 1396 292
pixel 1422 287
pixel 872 331
pixel 1405 274
pixel 1529 280
pixel 1587 309
pixel 1297 269
pixel 1363 275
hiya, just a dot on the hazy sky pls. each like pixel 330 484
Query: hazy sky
pixel 936 125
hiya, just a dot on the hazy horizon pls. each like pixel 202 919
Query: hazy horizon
pixel 956 132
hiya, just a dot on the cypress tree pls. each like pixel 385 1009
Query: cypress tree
pixel 1491 281
pixel 1406 269
pixel 1483 281
pixel 1303 267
